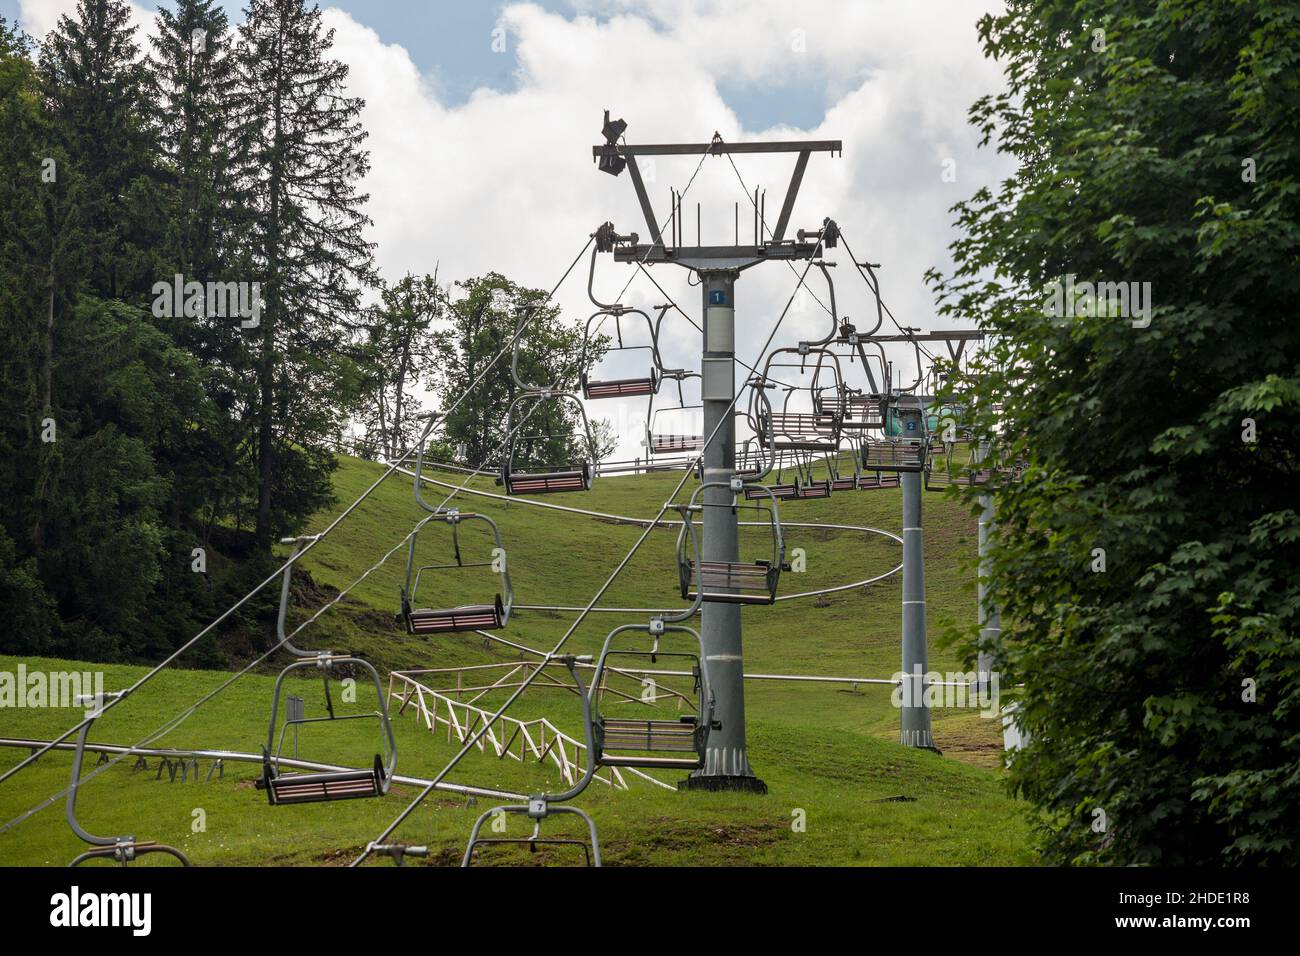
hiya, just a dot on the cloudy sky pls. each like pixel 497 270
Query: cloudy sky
pixel 482 116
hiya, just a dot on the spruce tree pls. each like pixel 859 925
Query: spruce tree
pixel 308 247
pixel 205 135
pixel 95 88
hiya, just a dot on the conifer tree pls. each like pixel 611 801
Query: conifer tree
pixel 95 88
pixel 308 246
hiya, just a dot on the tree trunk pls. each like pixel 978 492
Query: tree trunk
pixel 266 373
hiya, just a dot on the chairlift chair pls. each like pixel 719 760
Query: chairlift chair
pixel 465 617
pixel 593 388
pixel 787 430
pixel 541 806
pixel 811 487
pixel 318 786
pixel 802 486
pixel 617 388
pixel 859 480
pixel 905 452
pixel 657 743
pixel 965 472
pixel 858 408
pixel 838 480
pixel 862 410
pixel 568 476
pixel 661 440
pixel 537 811
pixel 731 582
pixel 851 408
pixel 880 480
pixel 654 743
pixel 122 850
pixel 893 454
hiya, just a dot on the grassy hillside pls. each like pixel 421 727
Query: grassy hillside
pixel 824 749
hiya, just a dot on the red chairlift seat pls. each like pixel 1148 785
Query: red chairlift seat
pixel 878 481
pixel 577 478
pixel 468 617
pixel 815 489
pixel 803 431
pixel 783 491
pixel 667 444
pixel 619 388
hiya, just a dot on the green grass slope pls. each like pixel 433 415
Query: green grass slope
pixel 826 751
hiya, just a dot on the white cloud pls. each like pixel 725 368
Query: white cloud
pixel 505 181
pixel 39 17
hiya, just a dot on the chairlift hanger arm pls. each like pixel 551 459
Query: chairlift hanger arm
pixel 873 282
pixel 592 848
pixel 571 662
pixel 122 849
pixel 299 543
pixel 606 237
pixel 825 268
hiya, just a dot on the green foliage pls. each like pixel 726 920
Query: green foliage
pixel 550 354
pixel 1165 154
pixel 307 249
pixel 94 86
pixel 397 357
pixel 30 615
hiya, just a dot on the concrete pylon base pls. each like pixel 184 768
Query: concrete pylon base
pixel 717 783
